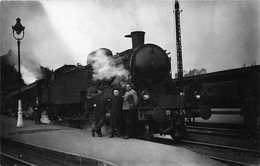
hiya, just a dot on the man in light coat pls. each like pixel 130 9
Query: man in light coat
pixel 129 110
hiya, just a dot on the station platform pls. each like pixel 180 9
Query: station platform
pixel 78 147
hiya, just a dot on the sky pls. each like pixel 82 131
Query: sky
pixel 216 34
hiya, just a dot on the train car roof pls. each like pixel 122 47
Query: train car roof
pixel 64 68
pixel 223 73
pixel 22 89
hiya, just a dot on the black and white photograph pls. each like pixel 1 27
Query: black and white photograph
pixel 130 83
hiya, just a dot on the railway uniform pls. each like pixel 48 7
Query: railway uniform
pixel 166 126
pixel 37 112
pixel 116 102
pixel 129 110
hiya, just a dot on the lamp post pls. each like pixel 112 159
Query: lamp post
pixel 18 28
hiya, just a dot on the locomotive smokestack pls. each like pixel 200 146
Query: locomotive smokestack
pixel 137 38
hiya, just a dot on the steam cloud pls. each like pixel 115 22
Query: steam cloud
pixel 30 68
pixel 41 46
pixel 104 65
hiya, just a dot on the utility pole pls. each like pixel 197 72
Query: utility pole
pixel 178 44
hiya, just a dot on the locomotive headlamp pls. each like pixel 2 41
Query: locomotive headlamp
pixel 145 95
pixel 197 95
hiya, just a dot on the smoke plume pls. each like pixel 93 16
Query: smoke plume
pixel 104 65
pixel 29 67
pixel 41 46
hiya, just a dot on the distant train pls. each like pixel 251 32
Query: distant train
pixel 63 93
pixel 224 92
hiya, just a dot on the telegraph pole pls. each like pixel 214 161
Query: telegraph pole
pixel 178 44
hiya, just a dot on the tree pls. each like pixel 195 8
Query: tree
pixel 9 76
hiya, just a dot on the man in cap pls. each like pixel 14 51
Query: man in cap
pixel 37 111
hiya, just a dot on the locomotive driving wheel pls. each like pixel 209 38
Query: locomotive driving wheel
pixel 178 133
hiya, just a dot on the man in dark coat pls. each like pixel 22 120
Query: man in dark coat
pixel 37 111
pixel 116 102
pixel 99 102
pixel 250 111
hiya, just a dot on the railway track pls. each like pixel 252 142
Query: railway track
pixel 11 156
pixel 220 132
pixel 226 154
pixel 231 147
pixel 10 160
pixel 232 156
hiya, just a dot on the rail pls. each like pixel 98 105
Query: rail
pixel 15 160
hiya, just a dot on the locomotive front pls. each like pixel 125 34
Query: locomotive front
pixel 159 103
pixel 151 76
pixel 161 108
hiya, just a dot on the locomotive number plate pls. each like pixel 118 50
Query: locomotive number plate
pixel 168 112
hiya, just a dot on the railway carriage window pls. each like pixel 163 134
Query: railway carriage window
pixel 222 89
pixel 208 91
pixel 225 89
pixel 204 91
pixel 216 90
pixel 211 90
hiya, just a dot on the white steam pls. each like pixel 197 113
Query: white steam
pixel 29 75
pixel 29 67
pixel 104 66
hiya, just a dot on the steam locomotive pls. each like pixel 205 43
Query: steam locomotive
pixel 161 104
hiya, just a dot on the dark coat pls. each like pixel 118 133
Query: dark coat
pixel 37 110
pixel 116 106
pixel 99 103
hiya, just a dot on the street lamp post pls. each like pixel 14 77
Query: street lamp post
pixel 18 28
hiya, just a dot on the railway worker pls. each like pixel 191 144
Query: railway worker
pixel 115 105
pixel 129 110
pixel 99 101
pixel 37 111
pixel 167 126
pixel 250 111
